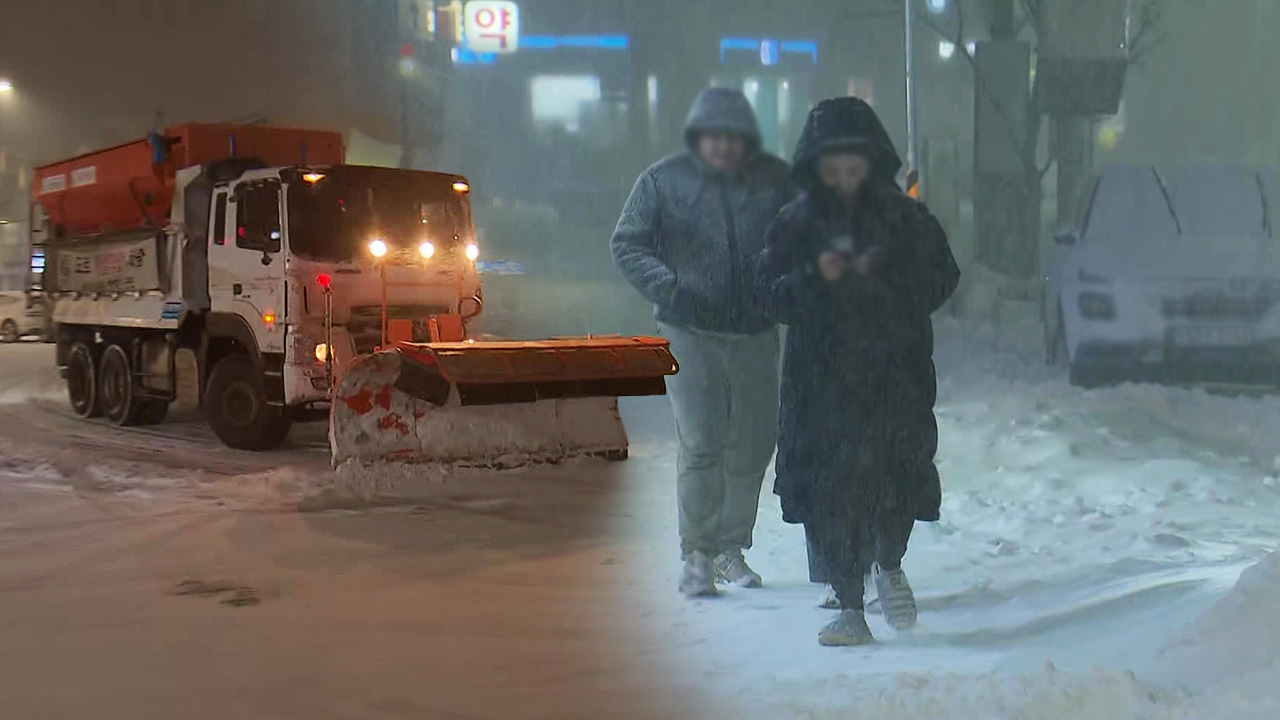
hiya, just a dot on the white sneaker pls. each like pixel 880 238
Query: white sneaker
pixel 847 630
pixel 829 600
pixel 731 567
pixel 696 580
pixel 897 601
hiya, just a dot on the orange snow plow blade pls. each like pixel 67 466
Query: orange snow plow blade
pixel 493 403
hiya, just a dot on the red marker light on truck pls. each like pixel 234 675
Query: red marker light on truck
pixel 324 280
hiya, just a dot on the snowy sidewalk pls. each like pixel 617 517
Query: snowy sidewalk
pixel 1079 531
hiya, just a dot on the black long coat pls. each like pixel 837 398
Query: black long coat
pixel 856 428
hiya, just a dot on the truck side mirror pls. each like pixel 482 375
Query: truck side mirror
pixel 1066 236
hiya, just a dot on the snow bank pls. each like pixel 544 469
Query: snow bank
pixel 1237 638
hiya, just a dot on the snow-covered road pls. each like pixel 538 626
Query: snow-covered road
pixel 1081 530
pixel 154 574
pixel 1084 535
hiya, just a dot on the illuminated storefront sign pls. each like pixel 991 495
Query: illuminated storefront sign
pixel 468 56
pixel 770 52
pixel 492 26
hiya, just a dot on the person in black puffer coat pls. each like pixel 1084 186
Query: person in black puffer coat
pixel 855 268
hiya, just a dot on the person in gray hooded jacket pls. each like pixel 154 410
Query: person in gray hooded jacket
pixel 686 240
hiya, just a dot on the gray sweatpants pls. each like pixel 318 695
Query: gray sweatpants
pixel 725 400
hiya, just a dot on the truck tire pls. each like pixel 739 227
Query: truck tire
pixel 118 393
pixel 236 407
pixel 9 332
pixel 82 381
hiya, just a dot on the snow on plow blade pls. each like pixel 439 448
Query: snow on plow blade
pixel 493 403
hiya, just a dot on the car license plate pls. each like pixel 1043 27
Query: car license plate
pixel 1213 336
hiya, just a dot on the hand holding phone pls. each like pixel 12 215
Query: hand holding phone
pixel 832 264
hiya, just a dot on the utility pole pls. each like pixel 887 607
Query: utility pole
pixel 1001 19
pixel 909 25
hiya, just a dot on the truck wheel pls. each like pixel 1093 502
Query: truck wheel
pixel 9 332
pixel 237 410
pixel 119 393
pixel 82 381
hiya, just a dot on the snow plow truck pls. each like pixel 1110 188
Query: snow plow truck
pixel 248 270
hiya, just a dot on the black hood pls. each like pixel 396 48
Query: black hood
pixel 722 110
pixel 849 124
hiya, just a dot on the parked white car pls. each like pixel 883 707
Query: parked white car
pixel 16 319
pixel 1170 275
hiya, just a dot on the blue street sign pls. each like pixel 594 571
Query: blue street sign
pixel 500 267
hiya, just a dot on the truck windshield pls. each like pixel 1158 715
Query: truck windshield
pixel 334 213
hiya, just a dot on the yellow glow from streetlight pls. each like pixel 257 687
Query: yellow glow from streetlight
pixel 378 248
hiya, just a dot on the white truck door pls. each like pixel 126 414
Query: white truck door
pixel 246 265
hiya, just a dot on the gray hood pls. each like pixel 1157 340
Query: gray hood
pixel 725 110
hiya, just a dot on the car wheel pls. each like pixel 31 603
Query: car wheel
pixel 116 387
pixel 1056 351
pixel 82 381
pixel 9 332
pixel 237 409
pixel 1090 377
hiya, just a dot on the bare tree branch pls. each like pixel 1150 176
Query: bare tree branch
pixel 1034 10
pixel 1146 30
pixel 1023 142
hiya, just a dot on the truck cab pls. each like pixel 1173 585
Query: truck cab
pixel 307 257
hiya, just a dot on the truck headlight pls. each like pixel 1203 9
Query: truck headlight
pixel 378 248
pixel 322 352
pixel 426 250
pixel 473 251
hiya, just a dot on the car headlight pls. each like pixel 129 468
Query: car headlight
pixel 473 251
pixel 322 352
pixel 1090 278
pixel 426 250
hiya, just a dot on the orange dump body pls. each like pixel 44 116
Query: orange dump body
pixel 122 188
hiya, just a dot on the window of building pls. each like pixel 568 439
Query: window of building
pixel 564 101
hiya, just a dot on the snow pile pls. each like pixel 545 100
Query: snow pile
pixel 1233 649
pixel 357 486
